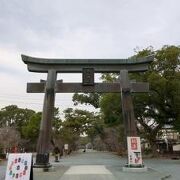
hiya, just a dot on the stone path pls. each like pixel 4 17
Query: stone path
pixel 104 166
pixel 82 172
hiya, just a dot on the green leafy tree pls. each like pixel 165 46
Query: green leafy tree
pixel 88 99
pixel 111 109
pixel 161 105
pixel 78 120
pixel 77 123
pixel 12 116
pixel 56 122
pixel 30 131
pixel 155 109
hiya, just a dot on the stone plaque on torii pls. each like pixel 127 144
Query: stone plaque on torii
pixel 87 67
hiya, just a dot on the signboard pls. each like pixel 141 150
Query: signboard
pixel 176 147
pixel 88 76
pixel 66 146
pixel 134 151
pixel 19 166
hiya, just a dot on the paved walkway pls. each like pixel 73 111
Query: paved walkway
pixel 104 166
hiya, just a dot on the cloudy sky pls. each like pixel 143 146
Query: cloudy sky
pixel 76 29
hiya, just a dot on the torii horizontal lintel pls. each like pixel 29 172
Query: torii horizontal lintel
pixel 76 65
pixel 79 88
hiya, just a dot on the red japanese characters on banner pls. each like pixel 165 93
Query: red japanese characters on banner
pixel 134 145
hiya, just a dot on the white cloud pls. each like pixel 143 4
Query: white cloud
pixel 79 29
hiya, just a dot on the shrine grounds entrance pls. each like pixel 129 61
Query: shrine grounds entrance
pixel 88 67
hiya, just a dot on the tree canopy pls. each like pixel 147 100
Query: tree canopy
pixel 153 110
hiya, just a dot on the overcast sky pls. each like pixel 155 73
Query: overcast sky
pixel 76 29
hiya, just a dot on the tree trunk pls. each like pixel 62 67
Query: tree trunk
pixel 152 141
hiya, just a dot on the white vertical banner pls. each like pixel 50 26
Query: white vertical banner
pixel 19 166
pixel 66 147
pixel 134 151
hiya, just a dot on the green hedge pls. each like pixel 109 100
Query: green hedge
pixel 2 156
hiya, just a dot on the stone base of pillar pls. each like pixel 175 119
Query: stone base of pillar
pixel 42 161
pixel 134 168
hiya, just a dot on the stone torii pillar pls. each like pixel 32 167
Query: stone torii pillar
pixel 42 157
pixel 127 105
pixel 134 163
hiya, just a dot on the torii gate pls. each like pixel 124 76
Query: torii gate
pixel 87 67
